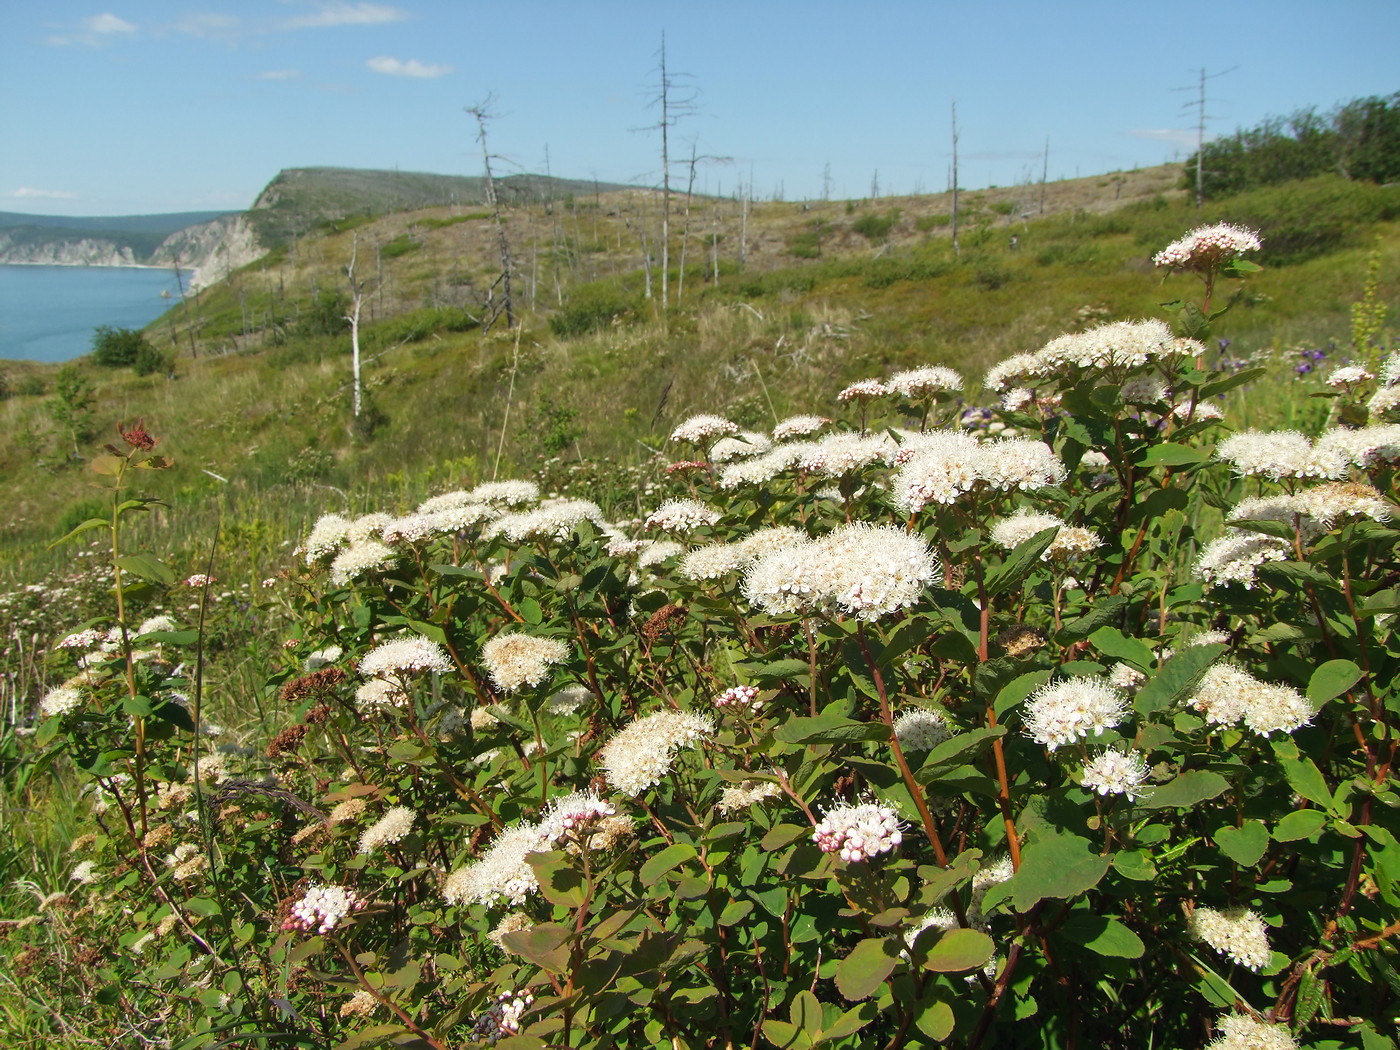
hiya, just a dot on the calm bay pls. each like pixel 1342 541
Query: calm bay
pixel 48 313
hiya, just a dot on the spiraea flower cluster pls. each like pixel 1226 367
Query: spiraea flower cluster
pixel 405 657
pixel 1114 772
pixel 323 907
pixel 857 832
pixel 639 756
pixel 517 660
pixel 1243 1032
pixel 1228 695
pixel 1063 712
pixel 740 697
pixel 1208 246
pixel 388 829
pixel 1239 933
pixel 682 516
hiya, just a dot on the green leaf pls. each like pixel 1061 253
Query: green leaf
pixel 850 1022
pixel 1103 611
pixel 805 1012
pixel 1020 562
pixel 1112 642
pixel 1018 689
pixel 780 835
pixel 1135 864
pixel 781 671
pixel 936 1021
pixel 147 567
pixel 545 945
pixel 1303 776
pixel 783 1035
pixel 958 950
pixel 1173 455
pixel 91 523
pixel 669 858
pixel 1103 935
pixel 1332 679
pixel 1055 865
pixel 1300 824
pixel 1230 382
pixel 1185 791
pixel 560 883
pixel 522 1042
pixel 1244 845
pixel 865 969
pixel 1177 678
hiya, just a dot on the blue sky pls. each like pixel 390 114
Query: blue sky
pixel 135 106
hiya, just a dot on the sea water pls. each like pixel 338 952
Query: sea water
pixel 48 313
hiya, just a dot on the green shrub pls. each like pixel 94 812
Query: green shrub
pixel 590 307
pixel 876 227
pixel 117 347
pixel 401 245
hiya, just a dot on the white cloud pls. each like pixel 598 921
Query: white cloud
pixel 94 31
pixel 279 74
pixel 107 24
pixel 209 25
pixel 29 193
pixel 336 13
pixel 395 67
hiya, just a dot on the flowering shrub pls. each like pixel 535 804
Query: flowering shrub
pixel 906 737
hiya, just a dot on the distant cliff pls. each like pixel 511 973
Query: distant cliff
pixel 67 251
pixel 212 249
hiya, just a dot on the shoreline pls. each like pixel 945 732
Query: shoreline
pixel 103 266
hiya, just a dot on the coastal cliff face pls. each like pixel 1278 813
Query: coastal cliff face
pixel 79 251
pixel 212 249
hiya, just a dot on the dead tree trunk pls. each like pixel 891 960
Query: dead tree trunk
pixel 482 113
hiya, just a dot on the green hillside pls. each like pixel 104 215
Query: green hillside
pixel 260 426
pixel 299 200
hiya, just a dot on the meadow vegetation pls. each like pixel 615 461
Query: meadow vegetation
pixel 851 660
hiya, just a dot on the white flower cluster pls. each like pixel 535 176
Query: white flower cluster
pixel 1348 376
pixel 1063 712
pixel 745 794
pixel 1206 246
pixel 864 570
pixel 516 660
pixel 1236 559
pixel 405 656
pixel 746 443
pixel 1280 454
pixel 863 390
pixel 327 536
pixel 1116 773
pixel 945 465
pixel 552 521
pixel 703 429
pixel 323 907
pixel 388 829
pixel 919 383
pixel 571 814
pixel 360 558
pixel 920 729
pixel 1116 347
pixel 1242 1032
pixel 798 426
pixel 858 832
pixel 642 753
pixel 61 700
pixel 740 696
pixel 502 872
pixel 1070 541
pixel 1228 695
pixel 682 516
pixel 1237 932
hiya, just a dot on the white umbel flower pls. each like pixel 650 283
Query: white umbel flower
pixel 1207 246
pixel 1116 773
pixel 642 753
pixel 858 832
pixel 516 660
pixel 1063 712
pixel 704 429
pixel 682 516
pixel 405 656
pixel 1242 1032
pixel 925 382
pixel 503 872
pixel 920 729
pixel 388 829
pixel 1236 932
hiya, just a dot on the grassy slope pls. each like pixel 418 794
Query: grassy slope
pixel 780 336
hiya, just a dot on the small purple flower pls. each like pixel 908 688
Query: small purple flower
pixel 1303 369
pixel 1224 344
pixel 1315 355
